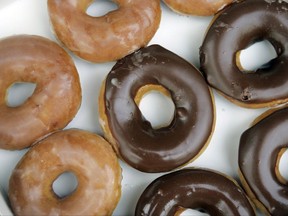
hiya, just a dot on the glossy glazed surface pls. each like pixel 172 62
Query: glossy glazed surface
pixel 234 29
pixel 108 37
pixel 140 145
pixel 258 157
pixel 194 189
pixel 87 155
pixel 197 7
pixel 181 34
pixel 57 96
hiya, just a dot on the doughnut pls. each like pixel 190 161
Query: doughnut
pixel 260 149
pixel 56 98
pixel 87 155
pixel 237 27
pixel 105 38
pixel 136 142
pixel 194 188
pixel 197 7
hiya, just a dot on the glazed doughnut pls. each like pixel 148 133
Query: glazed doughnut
pixel 109 37
pixel 197 7
pixel 57 96
pixel 260 150
pixel 87 155
pixel 207 190
pixel 234 29
pixel 134 139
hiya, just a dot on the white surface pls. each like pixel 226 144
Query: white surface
pixel 4 209
pixel 182 35
pixel 251 64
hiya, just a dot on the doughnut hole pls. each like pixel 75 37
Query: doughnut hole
pixel 191 212
pixel 18 93
pixel 281 166
pixel 156 105
pixel 65 184
pixel 256 56
pixel 100 8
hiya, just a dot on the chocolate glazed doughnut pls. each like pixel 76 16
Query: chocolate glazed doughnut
pixel 234 29
pixel 260 150
pixel 141 146
pixel 201 189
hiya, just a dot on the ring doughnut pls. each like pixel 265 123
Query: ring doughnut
pixel 57 95
pixel 207 190
pixel 260 151
pixel 134 139
pixel 197 7
pixel 87 155
pixel 109 37
pixel 234 29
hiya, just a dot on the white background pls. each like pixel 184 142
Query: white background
pixel 178 33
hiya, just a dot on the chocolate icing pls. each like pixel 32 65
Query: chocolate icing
pixel 238 26
pixel 195 189
pixel 258 153
pixel 164 149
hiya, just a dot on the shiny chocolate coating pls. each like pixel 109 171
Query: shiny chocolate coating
pixel 201 189
pixel 141 146
pixel 234 29
pixel 258 152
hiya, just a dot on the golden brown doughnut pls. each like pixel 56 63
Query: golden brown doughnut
pixel 109 37
pixel 87 155
pixel 57 96
pixel 197 7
